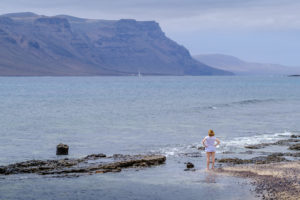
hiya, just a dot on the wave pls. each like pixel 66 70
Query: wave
pixel 253 101
pixel 256 139
pixel 242 102
pixel 236 144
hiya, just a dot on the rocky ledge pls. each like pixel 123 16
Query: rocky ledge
pixel 293 144
pixel 274 175
pixel 275 157
pixel 286 142
pixel 94 163
pixel 271 181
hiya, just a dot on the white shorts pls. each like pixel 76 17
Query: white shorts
pixel 210 149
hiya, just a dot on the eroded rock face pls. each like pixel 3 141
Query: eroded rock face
pixel 94 163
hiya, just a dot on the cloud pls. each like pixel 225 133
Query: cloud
pixel 175 14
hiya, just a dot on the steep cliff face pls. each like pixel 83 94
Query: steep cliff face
pixel 65 45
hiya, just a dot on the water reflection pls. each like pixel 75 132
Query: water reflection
pixel 210 177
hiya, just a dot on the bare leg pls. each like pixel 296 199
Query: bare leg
pixel 213 159
pixel 208 154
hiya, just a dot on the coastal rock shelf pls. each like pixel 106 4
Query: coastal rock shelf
pixel 293 144
pixel 273 158
pixel 280 142
pixel 94 163
pixel 272 181
pixel 274 175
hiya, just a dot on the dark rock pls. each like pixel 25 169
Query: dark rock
pixel 295 136
pixel 2 170
pixel 108 170
pixel 256 160
pixel 233 161
pixel 95 156
pixel 227 152
pixel 190 169
pixel 62 149
pixel 192 154
pixel 269 159
pixel 121 156
pixel 82 165
pixel 257 146
pixel 278 154
pixel 292 154
pixel 295 147
pixel 201 148
pixel 285 142
pixel 189 165
pixel 280 142
pixel 143 164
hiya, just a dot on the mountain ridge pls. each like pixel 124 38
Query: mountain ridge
pixel 62 45
pixel 241 67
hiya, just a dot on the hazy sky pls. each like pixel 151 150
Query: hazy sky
pixel 254 30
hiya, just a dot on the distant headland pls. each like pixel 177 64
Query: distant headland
pixel 294 75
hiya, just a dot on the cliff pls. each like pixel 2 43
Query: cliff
pixel 36 45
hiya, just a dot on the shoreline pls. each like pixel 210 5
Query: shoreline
pixel 271 181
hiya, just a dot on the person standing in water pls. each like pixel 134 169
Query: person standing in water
pixel 209 142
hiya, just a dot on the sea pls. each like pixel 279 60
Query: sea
pixel 141 115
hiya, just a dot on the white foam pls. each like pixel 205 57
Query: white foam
pixel 171 151
pixel 226 145
pixel 263 138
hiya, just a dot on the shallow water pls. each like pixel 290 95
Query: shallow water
pixel 132 115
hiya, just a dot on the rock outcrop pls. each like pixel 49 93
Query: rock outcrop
pixel 189 165
pixel 273 158
pixel 285 142
pixel 94 163
pixel 62 149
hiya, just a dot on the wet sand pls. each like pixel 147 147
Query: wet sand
pixel 271 181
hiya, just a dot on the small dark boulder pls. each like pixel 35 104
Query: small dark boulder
pixel 201 148
pixel 189 165
pixel 62 149
pixel 2 170
pixel 295 147
pixel 295 136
